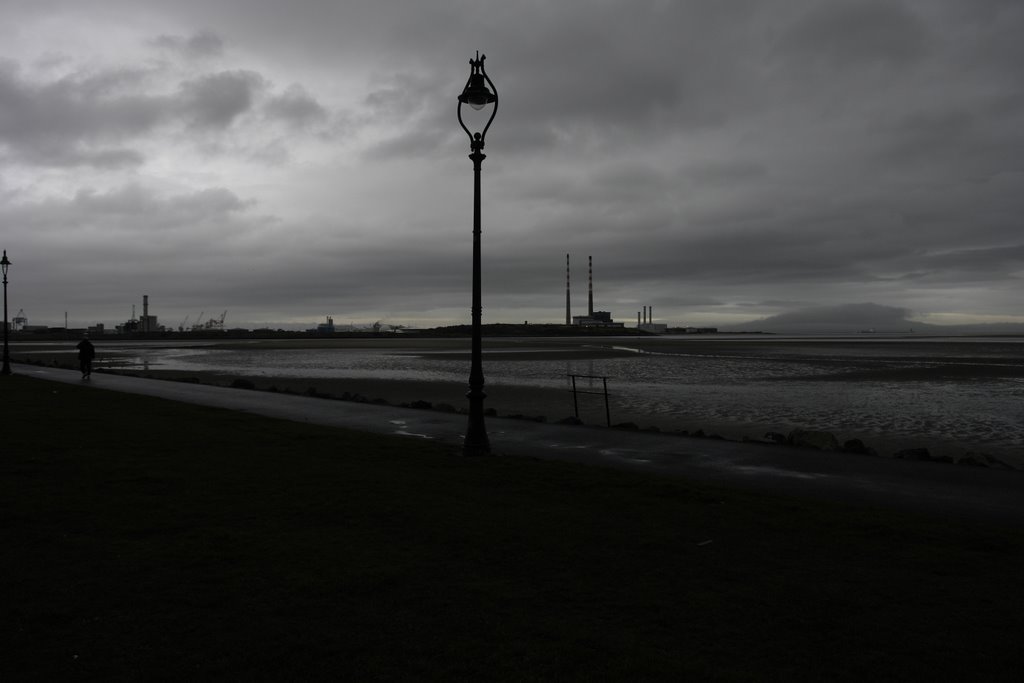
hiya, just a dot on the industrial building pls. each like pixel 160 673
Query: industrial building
pixel 592 318
pixel 647 324
pixel 325 328
pixel 147 323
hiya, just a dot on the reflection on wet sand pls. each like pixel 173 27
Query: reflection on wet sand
pixel 946 394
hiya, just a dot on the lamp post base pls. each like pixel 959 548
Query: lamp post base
pixel 476 441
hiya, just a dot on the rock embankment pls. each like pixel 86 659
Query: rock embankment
pixel 826 441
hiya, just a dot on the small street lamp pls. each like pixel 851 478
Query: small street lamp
pixel 477 95
pixel 5 264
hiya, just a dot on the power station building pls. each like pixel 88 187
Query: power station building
pixel 147 323
pixel 592 318
pixel 644 322
pixel 647 324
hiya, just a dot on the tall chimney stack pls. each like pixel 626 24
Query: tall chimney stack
pixel 145 313
pixel 568 310
pixel 650 314
pixel 590 286
pixel 645 315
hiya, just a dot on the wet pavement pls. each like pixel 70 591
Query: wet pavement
pixel 934 488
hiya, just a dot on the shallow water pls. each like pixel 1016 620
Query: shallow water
pixel 952 393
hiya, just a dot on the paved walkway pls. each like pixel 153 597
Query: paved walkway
pixel 935 488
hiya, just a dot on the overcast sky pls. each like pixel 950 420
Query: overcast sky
pixel 721 161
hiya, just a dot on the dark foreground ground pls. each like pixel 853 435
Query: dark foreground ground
pixel 146 539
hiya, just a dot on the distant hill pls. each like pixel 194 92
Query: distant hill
pixel 866 317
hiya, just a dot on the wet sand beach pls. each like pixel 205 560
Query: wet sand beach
pixel 738 388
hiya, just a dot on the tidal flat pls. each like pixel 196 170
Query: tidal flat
pixel 951 395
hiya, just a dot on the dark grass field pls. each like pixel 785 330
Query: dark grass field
pixel 151 540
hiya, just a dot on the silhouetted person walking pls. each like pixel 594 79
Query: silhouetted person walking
pixel 86 352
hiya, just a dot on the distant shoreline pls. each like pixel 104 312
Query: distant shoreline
pixel 503 330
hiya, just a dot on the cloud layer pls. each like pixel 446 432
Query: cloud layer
pixel 722 162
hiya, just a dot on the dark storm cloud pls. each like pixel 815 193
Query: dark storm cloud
pixel 133 202
pixel 296 107
pixel 849 34
pixel 923 135
pixel 199 44
pixel 88 105
pixel 987 263
pixel 131 209
pixel 406 146
pixel 855 242
pixel 723 173
pixel 216 100
pixel 64 156
pixel 75 119
pixel 966 138
pixel 96 117
pixel 619 64
pixel 582 77
pixel 411 104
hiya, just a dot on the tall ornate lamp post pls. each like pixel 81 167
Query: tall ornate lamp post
pixel 5 264
pixel 477 95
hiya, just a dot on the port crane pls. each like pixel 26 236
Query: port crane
pixel 217 323
pixel 211 323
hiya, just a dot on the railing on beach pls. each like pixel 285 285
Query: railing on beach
pixel 603 392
